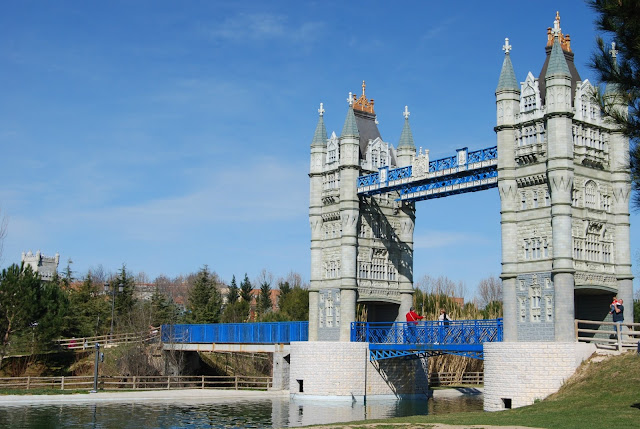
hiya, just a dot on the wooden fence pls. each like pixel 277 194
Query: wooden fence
pixel 188 382
pixel 138 382
pixel 448 378
pixel 604 334
pixel 84 343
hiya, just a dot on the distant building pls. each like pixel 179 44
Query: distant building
pixel 46 266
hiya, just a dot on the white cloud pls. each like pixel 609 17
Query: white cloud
pixel 261 26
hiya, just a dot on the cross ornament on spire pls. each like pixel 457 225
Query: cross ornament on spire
pixel 556 25
pixel 506 47
pixel 350 99
pixel 406 112
pixel 613 51
pixel 321 110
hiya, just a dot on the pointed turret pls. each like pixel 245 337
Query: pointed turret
pixel 320 136
pixel 557 62
pixel 612 89
pixel 507 75
pixel 350 128
pixel 406 146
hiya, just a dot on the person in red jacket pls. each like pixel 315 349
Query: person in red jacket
pixel 412 323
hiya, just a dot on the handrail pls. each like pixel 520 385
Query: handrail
pixel 236 333
pixel 233 382
pixel 83 343
pixel 628 336
pixel 428 332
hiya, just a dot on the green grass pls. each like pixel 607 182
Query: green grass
pixel 600 394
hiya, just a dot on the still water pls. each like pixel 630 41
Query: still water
pixel 265 413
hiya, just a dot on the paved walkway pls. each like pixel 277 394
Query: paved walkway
pixel 192 395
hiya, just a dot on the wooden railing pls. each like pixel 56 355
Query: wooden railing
pixel 138 382
pixel 448 378
pixel 84 343
pixel 605 335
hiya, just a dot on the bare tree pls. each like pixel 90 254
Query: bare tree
pixel 264 277
pixel 489 290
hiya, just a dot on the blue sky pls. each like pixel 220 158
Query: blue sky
pixel 169 135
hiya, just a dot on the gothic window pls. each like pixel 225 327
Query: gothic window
pixel 535 298
pixel 374 158
pixel 547 198
pixel 329 306
pixel 526 249
pixel 583 104
pixel 535 199
pixel 332 181
pixel 606 253
pixel 593 248
pixel 392 272
pixel 528 97
pixel 363 230
pixel 606 203
pixel 590 194
pixel 331 156
pixel 523 206
pixel 578 248
pixel 549 308
pixel 574 197
pixel 383 159
pixel 523 309
pixel 546 249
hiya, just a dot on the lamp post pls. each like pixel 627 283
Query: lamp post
pixel 113 302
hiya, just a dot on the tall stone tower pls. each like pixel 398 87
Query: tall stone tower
pixel 564 186
pixel 46 266
pixel 361 248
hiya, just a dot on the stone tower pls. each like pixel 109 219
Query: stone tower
pixel 46 266
pixel 564 187
pixel 361 248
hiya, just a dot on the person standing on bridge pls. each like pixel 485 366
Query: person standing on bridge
pixel 412 323
pixel 443 324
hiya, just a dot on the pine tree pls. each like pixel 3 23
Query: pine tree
pixel 204 300
pixel 232 294
pixel 620 19
pixel 245 289
pixel 264 299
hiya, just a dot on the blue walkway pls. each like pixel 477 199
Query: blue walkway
pixel 386 339
pixel 395 339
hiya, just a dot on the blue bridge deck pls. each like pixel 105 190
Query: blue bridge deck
pixel 386 339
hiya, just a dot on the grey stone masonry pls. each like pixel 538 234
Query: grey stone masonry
pixel 564 189
pixel 517 374
pixel 342 369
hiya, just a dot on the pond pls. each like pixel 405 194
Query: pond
pixel 236 413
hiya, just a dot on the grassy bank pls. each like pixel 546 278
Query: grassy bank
pixel 600 394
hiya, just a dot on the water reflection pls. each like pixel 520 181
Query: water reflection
pixel 266 413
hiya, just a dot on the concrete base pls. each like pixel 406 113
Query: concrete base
pixel 517 374
pixel 342 370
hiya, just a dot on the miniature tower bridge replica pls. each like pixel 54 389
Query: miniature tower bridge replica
pixel 562 174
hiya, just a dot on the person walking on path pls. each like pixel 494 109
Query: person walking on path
pixel 412 323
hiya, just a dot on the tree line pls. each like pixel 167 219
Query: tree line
pixel 33 312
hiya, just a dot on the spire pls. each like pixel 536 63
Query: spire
pixel 557 62
pixel 320 136
pixel 406 137
pixel 507 75
pixel 613 88
pixel 350 127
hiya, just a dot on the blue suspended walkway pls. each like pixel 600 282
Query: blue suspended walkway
pixel 396 339
pixel 461 173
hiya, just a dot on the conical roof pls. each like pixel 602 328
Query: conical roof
pixel 350 128
pixel 320 136
pixel 507 75
pixel 557 62
pixel 406 137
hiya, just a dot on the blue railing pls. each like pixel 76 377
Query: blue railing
pixel 242 333
pixel 463 332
